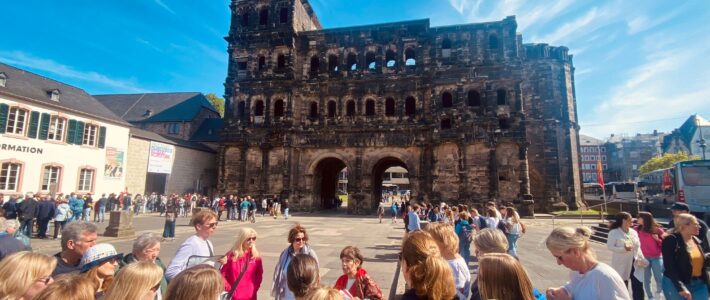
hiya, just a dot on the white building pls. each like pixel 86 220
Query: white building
pixel 56 138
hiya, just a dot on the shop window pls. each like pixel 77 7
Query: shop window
pixel 279 108
pixel 86 180
pixel 474 98
pixel 410 106
pixel 331 109
pixel 446 48
pixel 264 16
pixel 352 61
pixel 10 176
pixel 57 127
pixel 502 97
pixel 50 177
pixel 389 107
pixel 370 107
pixel 17 121
pixel 313 110
pixel 350 108
pixel 447 100
pixel 390 58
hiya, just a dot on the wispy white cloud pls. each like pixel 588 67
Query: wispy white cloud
pixel 543 13
pixel 164 6
pixel 149 44
pixel 643 23
pixel 25 60
pixel 592 20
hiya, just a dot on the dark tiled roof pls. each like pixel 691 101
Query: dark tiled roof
pixel 37 88
pixel 209 131
pixel 149 135
pixel 163 107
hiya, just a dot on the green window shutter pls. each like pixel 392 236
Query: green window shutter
pixel 102 136
pixel 79 134
pixel 44 126
pixel 71 131
pixel 4 110
pixel 34 124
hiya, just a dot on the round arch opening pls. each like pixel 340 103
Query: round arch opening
pixel 328 184
pixel 390 177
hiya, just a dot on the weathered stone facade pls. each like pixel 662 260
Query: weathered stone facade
pixel 468 110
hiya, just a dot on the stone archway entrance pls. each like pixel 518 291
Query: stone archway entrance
pixel 325 182
pixel 378 170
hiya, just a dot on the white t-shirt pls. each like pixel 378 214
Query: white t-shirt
pixel 462 277
pixel 601 282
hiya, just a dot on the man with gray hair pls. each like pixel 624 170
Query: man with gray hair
pixel 146 247
pixel 8 243
pixel 77 238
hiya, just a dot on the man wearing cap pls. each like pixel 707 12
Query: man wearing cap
pixel 77 238
pixel 682 208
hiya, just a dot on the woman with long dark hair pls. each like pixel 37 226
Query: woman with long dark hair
pixel 650 234
pixel 623 241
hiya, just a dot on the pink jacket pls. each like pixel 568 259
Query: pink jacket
pixel 649 246
pixel 251 281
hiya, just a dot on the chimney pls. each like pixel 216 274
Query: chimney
pixel 655 132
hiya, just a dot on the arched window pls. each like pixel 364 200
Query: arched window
pixel 446 48
pixel 410 58
pixel 245 19
pixel 410 106
pixel 331 109
pixel 389 107
pixel 352 61
pixel 332 63
pixel 447 100
pixel 281 62
pixel 445 124
pixel 259 108
pixel 474 98
pixel 240 109
pixel 370 107
pixel 370 60
pixel 264 16
pixel 315 64
pixel 283 15
pixel 279 108
pixel 390 58
pixel 493 41
pixel 502 97
pixel 350 108
pixel 313 114
pixel 262 62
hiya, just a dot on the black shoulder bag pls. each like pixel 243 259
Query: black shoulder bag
pixel 227 296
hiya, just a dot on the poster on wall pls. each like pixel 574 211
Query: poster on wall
pixel 161 158
pixel 113 169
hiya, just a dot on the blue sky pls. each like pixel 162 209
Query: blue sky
pixel 640 65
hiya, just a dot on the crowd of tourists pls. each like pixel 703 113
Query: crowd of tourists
pixel 434 258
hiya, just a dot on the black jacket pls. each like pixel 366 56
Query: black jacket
pixel 10 245
pixel 703 235
pixel 28 209
pixel 10 209
pixel 676 261
pixel 45 210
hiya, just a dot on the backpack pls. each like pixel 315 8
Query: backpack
pixel 466 234
pixel 482 223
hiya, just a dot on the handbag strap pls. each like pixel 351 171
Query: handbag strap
pixel 239 278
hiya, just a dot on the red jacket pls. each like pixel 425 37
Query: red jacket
pixel 250 282
pixel 355 290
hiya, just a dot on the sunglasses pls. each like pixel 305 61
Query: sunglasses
pixel 45 280
pixel 212 225
pixel 252 239
pixel 300 239
pixel 156 287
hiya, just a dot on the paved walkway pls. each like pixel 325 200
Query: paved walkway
pixel 329 233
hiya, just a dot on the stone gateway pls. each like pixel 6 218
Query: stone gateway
pixel 469 111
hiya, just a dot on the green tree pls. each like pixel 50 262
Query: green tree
pixel 665 161
pixel 217 102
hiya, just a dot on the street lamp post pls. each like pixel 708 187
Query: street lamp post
pixel 701 141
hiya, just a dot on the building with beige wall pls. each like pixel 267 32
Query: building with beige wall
pixel 56 138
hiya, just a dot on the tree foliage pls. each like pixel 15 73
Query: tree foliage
pixel 665 161
pixel 217 102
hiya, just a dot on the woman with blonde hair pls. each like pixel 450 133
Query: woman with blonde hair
pixel 198 282
pixel 99 264
pixel 425 270
pixel 140 281
pixel 68 286
pixel 589 279
pixel 515 229
pixel 243 258
pixel 23 275
pixel 448 242
pixel 685 275
pixel 502 277
pixel 324 293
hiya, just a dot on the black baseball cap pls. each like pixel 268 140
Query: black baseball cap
pixel 679 206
